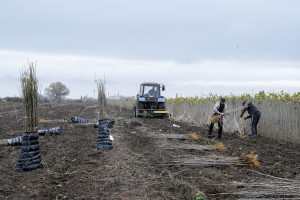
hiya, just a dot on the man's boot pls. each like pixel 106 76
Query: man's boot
pixel 220 132
pixel 210 130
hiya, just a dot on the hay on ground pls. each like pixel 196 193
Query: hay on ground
pixel 193 136
pixel 219 146
pixel 251 159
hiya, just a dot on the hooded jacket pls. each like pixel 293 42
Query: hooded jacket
pixel 216 108
pixel 250 108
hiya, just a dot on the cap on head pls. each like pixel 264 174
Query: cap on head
pixel 222 99
pixel 244 102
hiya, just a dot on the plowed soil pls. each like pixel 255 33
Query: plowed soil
pixel 151 159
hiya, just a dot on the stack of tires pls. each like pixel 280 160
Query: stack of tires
pixel 103 139
pixel 30 156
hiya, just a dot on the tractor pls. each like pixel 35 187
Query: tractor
pixel 150 102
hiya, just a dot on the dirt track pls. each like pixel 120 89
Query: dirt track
pixel 151 159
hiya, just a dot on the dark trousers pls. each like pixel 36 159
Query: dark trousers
pixel 219 131
pixel 255 120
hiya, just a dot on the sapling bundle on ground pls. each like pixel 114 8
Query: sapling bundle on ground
pixel 30 157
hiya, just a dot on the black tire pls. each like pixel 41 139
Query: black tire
pixel 30 148
pixel 138 107
pixel 134 111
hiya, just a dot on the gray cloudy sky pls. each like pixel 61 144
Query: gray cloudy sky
pixel 193 47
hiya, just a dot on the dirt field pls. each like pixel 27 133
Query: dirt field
pixel 151 159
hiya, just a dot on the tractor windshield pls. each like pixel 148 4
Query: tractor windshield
pixel 151 91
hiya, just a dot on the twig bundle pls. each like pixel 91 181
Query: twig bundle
pixel 102 101
pixel 29 86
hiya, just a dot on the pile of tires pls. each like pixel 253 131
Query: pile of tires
pixel 103 139
pixel 30 156
pixel 111 123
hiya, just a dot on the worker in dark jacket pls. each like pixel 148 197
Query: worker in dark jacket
pixel 254 114
pixel 218 113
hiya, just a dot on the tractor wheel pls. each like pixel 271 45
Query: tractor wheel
pixel 134 111
pixel 138 106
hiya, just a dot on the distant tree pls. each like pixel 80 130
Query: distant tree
pixel 57 91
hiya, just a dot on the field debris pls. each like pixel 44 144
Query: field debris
pixel 243 136
pixel 91 107
pixel 4 143
pixel 219 146
pixel 193 136
pixel 270 189
pixel 176 126
pixel 41 120
pixel 206 161
pixel 251 159
pixel 188 147
pixel 168 136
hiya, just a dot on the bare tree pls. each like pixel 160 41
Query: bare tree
pixel 57 91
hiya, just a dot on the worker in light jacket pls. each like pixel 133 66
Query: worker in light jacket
pixel 254 114
pixel 219 110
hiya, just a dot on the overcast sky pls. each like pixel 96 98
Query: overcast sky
pixel 194 47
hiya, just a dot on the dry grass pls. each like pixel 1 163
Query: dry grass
pixel 219 146
pixel 88 107
pixel 41 120
pixel 244 136
pixel 193 136
pixel 215 118
pixel 251 159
